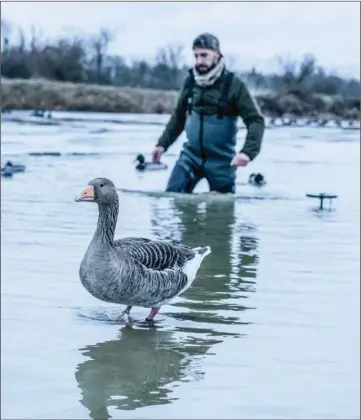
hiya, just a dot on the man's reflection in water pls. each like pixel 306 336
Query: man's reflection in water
pixel 228 274
pixel 142 367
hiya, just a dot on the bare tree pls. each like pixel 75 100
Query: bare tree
pixel 169 62
pixel 5 34
pixel 297 76
pixel 170 56
pixel 307 68
pixel 99 44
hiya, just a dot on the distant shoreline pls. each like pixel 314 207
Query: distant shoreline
pixel 33 94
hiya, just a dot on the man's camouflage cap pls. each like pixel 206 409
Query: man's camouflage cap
pixel 207 41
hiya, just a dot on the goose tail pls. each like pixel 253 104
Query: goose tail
pixel 191 267
pixel 204 251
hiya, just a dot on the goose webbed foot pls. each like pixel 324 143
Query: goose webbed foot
pixel 152 314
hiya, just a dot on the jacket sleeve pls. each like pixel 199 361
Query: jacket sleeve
pixel 176 124
pixel 252 118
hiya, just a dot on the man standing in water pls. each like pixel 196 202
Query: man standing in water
pixel 209 104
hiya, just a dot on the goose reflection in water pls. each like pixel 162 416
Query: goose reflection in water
pixel 142 367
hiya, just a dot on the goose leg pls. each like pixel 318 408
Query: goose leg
pixel 152 314
pixel 126 311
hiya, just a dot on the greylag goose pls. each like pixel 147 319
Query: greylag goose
pixel 133 271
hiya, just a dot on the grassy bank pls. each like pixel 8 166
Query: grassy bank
pixel 32 94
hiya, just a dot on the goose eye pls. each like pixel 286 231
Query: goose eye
pixel 101 185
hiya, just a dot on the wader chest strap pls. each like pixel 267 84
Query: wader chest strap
pixel 189 90
pixel 224 97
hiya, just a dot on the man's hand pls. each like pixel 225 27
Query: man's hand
pixel 157 153
pixel 241 159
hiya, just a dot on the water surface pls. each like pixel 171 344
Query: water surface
pixel 269 329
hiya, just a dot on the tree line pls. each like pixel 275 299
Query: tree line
pixel 86 59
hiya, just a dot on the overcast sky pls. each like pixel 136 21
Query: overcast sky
pixel 253 32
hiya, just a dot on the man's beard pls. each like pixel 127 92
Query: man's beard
pixel 204 69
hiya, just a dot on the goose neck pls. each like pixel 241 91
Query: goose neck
pixel 107 221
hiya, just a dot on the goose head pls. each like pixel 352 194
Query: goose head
pixel 99 190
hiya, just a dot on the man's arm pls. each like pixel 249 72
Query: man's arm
pixel 253 119
pixel 176 124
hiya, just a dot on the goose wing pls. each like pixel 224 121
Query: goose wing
pixel 149 287
pixel 157 255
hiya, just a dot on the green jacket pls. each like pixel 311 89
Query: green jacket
pixel 205 100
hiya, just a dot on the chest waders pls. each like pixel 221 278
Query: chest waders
pixel 210 145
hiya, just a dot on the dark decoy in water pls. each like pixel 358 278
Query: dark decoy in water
pixel 10 168
pixel 133 271
pixel 41 113
pixel 7 171
pixel 256 179
pixel 148 166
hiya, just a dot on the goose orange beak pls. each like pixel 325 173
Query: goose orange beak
pixel 86 195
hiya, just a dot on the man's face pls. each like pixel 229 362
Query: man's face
pixel 205 59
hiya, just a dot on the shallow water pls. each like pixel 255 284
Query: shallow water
pixel 270 327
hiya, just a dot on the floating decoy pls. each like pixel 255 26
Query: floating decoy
pixel 10 168
pixel 148 166
pixel 41 113
pixel 133 271
pixel 256 179
pixel 6 171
